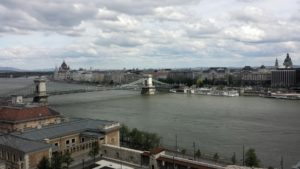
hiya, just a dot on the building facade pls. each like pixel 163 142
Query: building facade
pixel 21 117
pixel 63 72
pixel 20 153
pixel 284 78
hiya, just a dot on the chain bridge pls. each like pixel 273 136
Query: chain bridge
pixel 60 88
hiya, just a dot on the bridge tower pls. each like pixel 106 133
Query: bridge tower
pixel 40 93
pixel 148 88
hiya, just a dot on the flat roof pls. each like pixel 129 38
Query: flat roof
pixel 104 164
pixel 75 125
pixel 22 144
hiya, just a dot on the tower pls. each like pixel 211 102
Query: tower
pixel 276 64
pixel 148 88
pixel 40 92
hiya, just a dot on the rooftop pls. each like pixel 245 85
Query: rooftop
pixel 18 114
pixel 22 144
pixel 73 126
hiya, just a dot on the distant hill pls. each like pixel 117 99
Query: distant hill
pixel 11 69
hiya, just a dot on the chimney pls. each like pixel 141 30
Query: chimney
pixel 17 100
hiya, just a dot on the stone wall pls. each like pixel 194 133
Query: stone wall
pixel 113 138
pixel 35 157
pixel 121 153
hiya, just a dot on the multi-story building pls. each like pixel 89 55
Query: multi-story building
pixel 20 117
pixel 19 153
pixel 76 136
pixel 257 76
pixel 286 77
pixel 181 74
pixel 216 74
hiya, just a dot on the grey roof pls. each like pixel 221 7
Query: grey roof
pixel 92 134
pixel 22 144
pixel 58 130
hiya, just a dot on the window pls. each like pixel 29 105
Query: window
pixel 56 144
pixel 14 157
pixel 73 140
pixel 82 139
pixel 67 141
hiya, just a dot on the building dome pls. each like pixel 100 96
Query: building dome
pixel 288 62
pixel 64 66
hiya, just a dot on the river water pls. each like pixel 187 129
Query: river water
pixel 215 124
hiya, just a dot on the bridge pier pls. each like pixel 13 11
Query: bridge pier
pixel 148 88
pixel 40 94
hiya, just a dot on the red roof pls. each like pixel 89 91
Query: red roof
pixel 17 114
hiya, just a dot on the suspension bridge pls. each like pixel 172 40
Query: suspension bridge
pixel 60 88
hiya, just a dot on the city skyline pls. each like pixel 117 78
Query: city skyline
pixel 148 34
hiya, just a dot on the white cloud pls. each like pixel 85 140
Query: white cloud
pixel 147 33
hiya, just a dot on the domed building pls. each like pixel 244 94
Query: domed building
pixel 63 72
pixel 288 62
pixel 287 76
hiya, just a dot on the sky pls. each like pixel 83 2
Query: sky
pixel 117 34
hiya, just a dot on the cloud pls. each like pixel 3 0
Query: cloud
pixel 147 33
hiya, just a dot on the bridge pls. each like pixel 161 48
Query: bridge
pixel 60 88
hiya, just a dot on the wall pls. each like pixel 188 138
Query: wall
pixel 35 157
pixel 36 123
pixel 11 157
pixel 113 138
pixel 121 153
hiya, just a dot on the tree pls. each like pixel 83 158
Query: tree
pixel 199 82
pixel 183 151
pixel 67 159
pixel 233 158
pixel 198 154
pixel 138 139
pixel 44 164
pixel 56 161
pixel 124 131
pixel 94 151
pixel 251 159
pixel 216 157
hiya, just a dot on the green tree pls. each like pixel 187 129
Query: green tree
pixel 183 151
pixel 199 82
pixel 44 164
pixel 216 157
pixel 251 159
pixel 198 154
pixel 56 161
pixel 233 158
pixel 67 159
pixel 94 151
pixel 140 140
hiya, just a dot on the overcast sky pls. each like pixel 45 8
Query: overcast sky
pixel 115 34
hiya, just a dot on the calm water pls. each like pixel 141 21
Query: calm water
pixel 216 124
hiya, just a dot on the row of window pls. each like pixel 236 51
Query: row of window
pixel 8 156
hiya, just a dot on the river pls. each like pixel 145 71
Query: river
pixel 216 124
